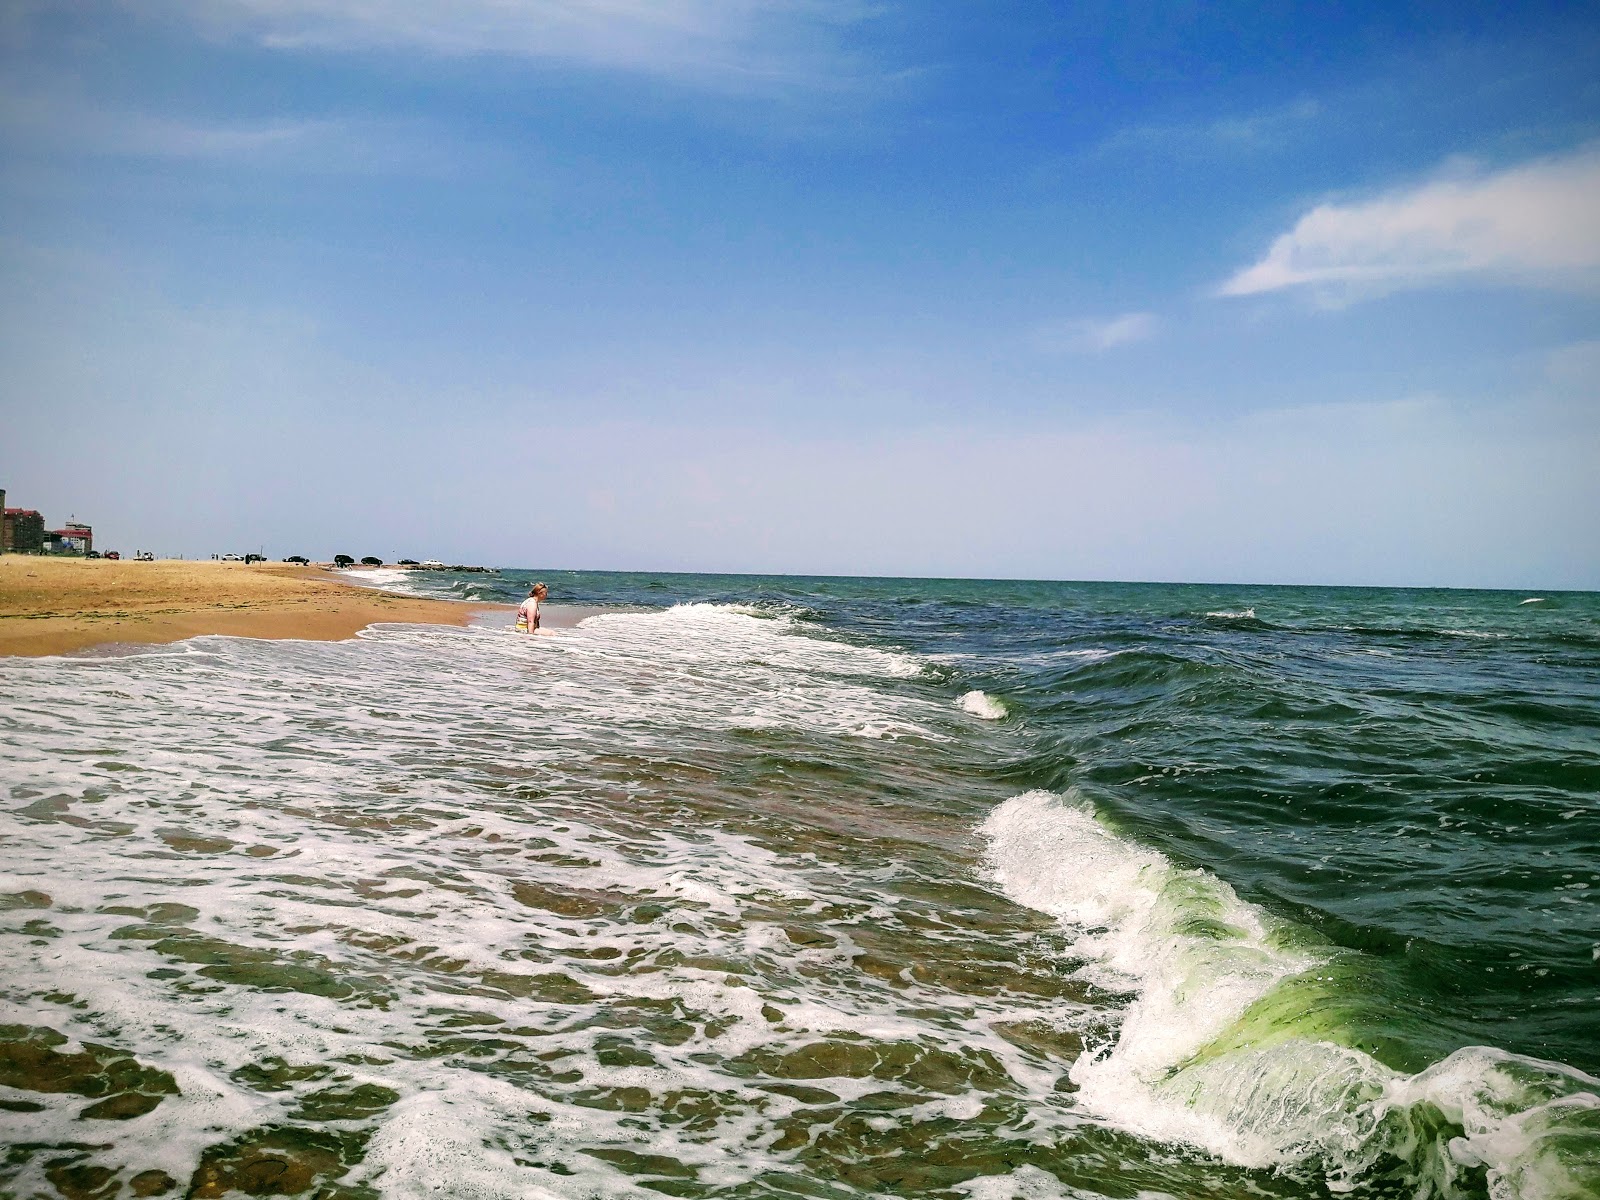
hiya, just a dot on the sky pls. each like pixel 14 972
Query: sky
pixel 1176 291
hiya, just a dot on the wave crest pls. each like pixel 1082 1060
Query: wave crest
pixel 1234 1043
pixel 983 706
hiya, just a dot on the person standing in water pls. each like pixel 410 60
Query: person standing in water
pixel 528 614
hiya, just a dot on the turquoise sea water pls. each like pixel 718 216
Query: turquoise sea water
pixel 786 886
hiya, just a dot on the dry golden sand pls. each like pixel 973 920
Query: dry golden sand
pixel 58 605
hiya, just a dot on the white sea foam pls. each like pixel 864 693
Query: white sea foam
pixel 1244 614
pixel 1196 958
pixel 983 706
pixel 1526 1120
pixel 729 667
pixel 1026 1183
pixel 1129 907
pixel 476 860
pixel 387 579
pixel 451 843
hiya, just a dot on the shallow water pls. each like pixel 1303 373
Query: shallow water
pixel 816 887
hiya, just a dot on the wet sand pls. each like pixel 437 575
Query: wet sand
pixel 61 605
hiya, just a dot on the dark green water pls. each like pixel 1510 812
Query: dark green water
pixel 789 886
pixel 1413 773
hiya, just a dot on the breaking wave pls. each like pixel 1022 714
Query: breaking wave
pixel 1235 1041
pixel 983 706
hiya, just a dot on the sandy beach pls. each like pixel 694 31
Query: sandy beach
pixel 59 605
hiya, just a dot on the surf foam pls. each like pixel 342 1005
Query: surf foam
pixel 983 706
pixel 499 879
pixel 1199 1060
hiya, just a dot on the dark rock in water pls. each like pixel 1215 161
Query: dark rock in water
pixel 30 1062
pixel 152 1183
pixel 82 1181
pixel 123 1107
pixel 275 1162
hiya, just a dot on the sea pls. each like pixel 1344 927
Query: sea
pixel 757 886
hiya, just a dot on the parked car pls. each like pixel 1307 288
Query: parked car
pixel 232 558
pixel 254 558
pixel 91 554
pixel 298 558
pixel 371 561
pixel 408 562
pixel 112 554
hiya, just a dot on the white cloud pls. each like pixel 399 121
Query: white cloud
pixel 1094 336
pixel 730 44
pixel 1538 224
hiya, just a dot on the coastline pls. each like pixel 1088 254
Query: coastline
pixel 63 605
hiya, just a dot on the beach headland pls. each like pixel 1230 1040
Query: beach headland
pixel 61 605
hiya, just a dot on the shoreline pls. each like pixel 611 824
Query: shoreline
pixel 51 606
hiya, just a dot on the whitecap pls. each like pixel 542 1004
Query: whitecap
pixel 1026 1182
pixel 1196 958
pixel 383 579
pixel 983 706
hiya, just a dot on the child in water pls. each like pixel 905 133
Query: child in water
pixel 528 614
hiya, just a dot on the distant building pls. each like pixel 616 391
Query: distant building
pixel 75 538
pixel 23 531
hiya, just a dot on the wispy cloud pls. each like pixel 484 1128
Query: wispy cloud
pixel 62 120
pixel 142 136
pixel 1089 336
pixel 1265 129
pixel 1538 223
pixel 721 44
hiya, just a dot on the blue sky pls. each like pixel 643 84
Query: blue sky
pixel 1224 293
